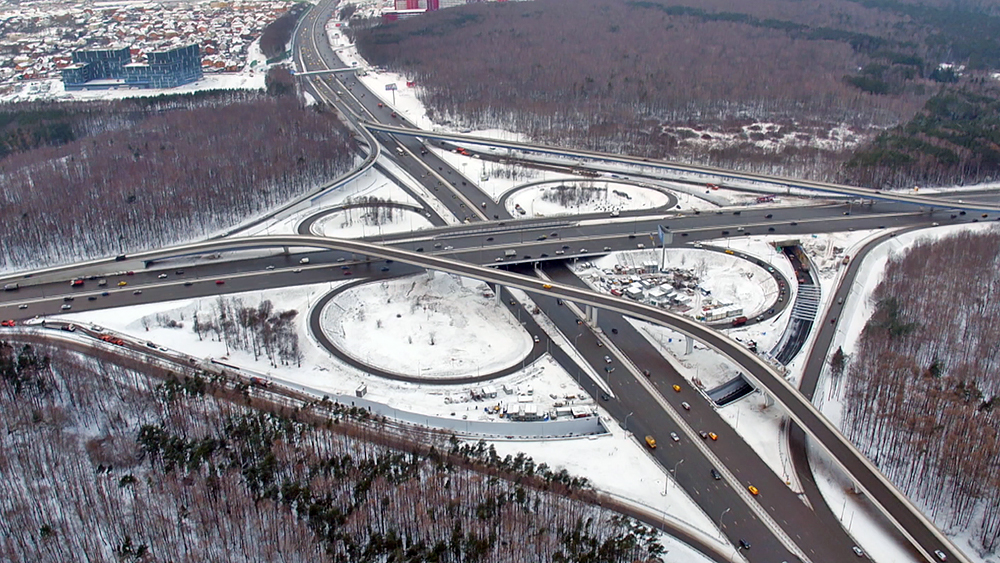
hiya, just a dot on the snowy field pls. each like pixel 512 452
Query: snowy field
pixel 353 223
pixel 564 197
pixel 431 325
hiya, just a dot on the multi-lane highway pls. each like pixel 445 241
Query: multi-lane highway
pixel 778 524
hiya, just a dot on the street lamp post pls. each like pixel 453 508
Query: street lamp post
pixel 721 515
pixel 626 420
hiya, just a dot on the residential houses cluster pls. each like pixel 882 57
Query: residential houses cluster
pixel 38 40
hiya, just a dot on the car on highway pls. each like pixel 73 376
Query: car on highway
pixel 179 272
pixel 68 298
pixel 677 388
pixel 716 475
pixel 675 437
pixel 105 294
pixel 607 359
pixel 535 338
pixel 651 442
pixel 546 286
pixel 22 306
pixel 66 307
pixel 137 292
pixel 685 405
pixel 744 544
pixel 753 490
pixel 122 283
pixel 347 272
pixel 188 284
pixel 220 282
pixel 385 268
pixel 269 267
pixel 102 283
pixel 161 276
pixel 92 298
pixel 713 435
pixel 940 555
pixel 858 551
pixel 607 249
pixel 7 323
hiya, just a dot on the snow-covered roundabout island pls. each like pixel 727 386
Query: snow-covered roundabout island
pixel 377 219
pixel 436 326
pixel 561 197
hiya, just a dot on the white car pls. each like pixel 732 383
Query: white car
pixel 66 307
pixel 161 276
pixel 675 437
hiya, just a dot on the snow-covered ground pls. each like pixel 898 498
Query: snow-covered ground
pixel 582 196
pixel 852 509
pixel 722 279
pixel 353 223
pixel 431 325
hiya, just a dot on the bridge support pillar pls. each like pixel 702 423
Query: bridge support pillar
pixel 688 345
pixel 284 250
pixel 496 293
pixel 591 315
pixel 768 400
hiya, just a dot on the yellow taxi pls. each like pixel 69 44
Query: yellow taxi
pixel 677 388
pixel 753 490
pixel 713 435
pixel 122 283
pixel 546 286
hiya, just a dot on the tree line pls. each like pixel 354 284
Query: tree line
pixel 140 175
pixel 920 393
pixel 104 462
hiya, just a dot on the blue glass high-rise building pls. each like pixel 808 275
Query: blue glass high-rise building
pixel 113 68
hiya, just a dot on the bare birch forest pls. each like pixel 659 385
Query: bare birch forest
pixel 129 175
pixel 689 79
pixel 103 463
pixel 921 391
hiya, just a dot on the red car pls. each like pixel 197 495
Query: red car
pixel 6 323
pixel 220 282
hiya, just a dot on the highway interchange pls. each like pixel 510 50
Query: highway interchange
pixel 778 524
